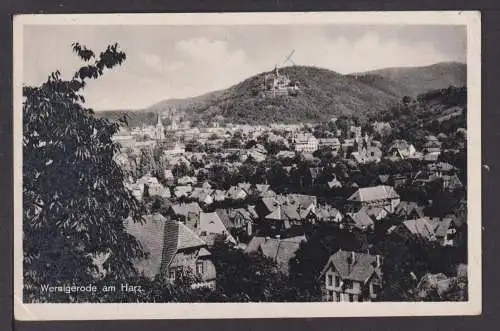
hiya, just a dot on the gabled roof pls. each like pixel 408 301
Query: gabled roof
pixel 219 195
pixel 162 239
pixel 224 217
pixel 374 211
pixel 234 191
pixel 420 227
pixel 406 208
pixel 270 203
pixel 182 190
pixel 353 265
pixel 247 187
pixel 380 192
pixel 361 219
pixel 441 166
pixel 442 227
pixel 279 250
pixel 327 212
pixel 261 188
pixel 201 193
pixel 184 209
pixel 211 223
pixel 302 200
pixel 334 183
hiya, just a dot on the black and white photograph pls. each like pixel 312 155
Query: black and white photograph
pixel 247 163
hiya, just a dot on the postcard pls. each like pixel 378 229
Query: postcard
pixel 247 165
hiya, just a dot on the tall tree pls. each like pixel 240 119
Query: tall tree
pixel 74 199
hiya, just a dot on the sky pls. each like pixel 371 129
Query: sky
pixel 166 62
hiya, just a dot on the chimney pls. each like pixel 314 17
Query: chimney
pixel 353 257
pixel 378 261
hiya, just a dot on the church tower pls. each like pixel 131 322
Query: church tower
pixel 160 130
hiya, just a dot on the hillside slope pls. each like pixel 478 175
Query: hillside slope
pixel 418 80
pixel 323 94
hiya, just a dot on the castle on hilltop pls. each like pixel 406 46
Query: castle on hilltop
pixel 276 83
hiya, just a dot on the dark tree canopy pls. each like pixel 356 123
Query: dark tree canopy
pixel 74 199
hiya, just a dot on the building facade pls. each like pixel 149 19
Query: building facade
pixel 351 277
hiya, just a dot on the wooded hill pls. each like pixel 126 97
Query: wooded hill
pixel 323 94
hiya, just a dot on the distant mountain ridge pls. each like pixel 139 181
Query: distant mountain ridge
pixel 418 80
pixel 323 94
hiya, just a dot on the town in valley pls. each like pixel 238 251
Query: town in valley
pixel 296 184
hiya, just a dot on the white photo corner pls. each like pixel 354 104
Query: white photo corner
pixel 247 165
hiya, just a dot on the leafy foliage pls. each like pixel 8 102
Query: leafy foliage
pixel 74 200
pixel 249 277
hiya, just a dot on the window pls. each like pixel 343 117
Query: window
pixel 199 267
pixel 330 280
pixel 337 281
pixel 351 298
pixel 171 273
pixel 337 296
pixel 330 295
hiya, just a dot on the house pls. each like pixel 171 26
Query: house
pixel 187 213
pixel 282 218
pixel 306 143
pixel 334 183
pixel 206 185
pixel 182 191
pixel 247 187
pixel 285 155
pixel 236 193
pixel 241 218
pixel 359 220
pixel 219 195
pixel 187 180
pixel 449 182
pixel 327 213
pixel 354 132
pixel 172 249
pixel 156 190
pixel 381 195
pixel 351 277
pixel 264 190
pixel 226 220
pixel 409 210
pixel 375 212
pixel 441 168
pixel 401 149
pixel 203 195
pixel 371 154
pixel 169 177
pixel 419 229
pixel 446 231
pixel 281 251
pixel 333 143
pixel 433 283
pixel 210 225
pixel 304 202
